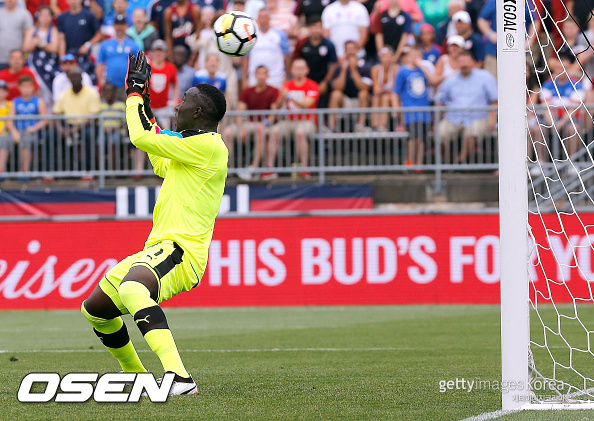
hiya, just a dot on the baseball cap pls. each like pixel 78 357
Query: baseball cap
pixel 462 16
pixel 239 1
pixel 159 44
pixel 456 40
pixel 67 57
pixel 427 27
pixel 119 19
pixel 3 84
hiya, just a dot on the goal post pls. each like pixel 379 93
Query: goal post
pixel 513 200
pixel 546 207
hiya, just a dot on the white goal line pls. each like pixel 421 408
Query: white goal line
pixel 32 351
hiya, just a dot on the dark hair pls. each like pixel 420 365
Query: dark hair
pixel 466 53
pixel 49 9
pixel 26 78
pixel 108 85
pixel 261 66
pixel 313 19
pixel 566 55
pixel 215 103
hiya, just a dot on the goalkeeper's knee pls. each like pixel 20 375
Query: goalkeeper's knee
pixel 112 332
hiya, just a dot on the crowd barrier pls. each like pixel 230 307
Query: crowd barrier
pixel 291 143
pixel 313 260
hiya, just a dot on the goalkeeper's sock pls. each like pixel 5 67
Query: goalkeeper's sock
pixel 114 336
pixel 152 323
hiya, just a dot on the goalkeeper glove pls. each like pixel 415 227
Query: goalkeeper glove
pixel 137 76
pixel 147 97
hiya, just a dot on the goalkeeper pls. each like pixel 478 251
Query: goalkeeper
pixel 193 162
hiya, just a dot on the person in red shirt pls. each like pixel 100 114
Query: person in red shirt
pixel 299 93
pixel 57 6
pixel 259 97
pixel 164 93
pixel 163 87
pixel 16 70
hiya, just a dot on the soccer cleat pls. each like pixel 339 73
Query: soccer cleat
pixel 180 386
pixel 183 388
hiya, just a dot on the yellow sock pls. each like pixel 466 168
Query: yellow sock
pixel 152 323
pixel 162 343
pixel 114 335
pixel 128 358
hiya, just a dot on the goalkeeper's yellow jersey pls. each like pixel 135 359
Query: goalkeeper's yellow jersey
pixel 194 166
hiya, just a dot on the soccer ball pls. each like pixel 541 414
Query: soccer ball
pixel 235 33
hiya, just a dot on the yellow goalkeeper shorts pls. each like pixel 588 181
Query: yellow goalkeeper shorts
pixel 165 259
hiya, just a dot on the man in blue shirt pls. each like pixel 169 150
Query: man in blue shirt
pixel 412 90
pixel 468 88
pixel 79 30
pixel 112 60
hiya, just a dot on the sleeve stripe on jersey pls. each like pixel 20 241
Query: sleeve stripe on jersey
pixel 146 125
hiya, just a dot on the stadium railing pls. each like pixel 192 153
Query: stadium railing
pixel 98 146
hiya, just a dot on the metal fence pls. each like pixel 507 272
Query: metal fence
pixel 268 144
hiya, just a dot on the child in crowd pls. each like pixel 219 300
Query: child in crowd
pixel 412 90
pixel 25 132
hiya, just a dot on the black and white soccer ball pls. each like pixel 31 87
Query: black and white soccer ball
pixel 236 33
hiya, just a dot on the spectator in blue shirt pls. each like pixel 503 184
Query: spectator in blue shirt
pixel 430 50
pixel 26 132
pixel 211 74
pixel 487 24
pixel 412 90
pixel 79 30
pixel 473 41
pixel 468 88
pixel 112 60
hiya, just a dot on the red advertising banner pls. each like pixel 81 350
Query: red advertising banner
pixel 317 260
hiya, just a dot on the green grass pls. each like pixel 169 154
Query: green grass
pixel 306 363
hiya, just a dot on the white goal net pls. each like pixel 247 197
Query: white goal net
pixel 560 142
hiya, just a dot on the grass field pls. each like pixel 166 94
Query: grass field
pixel 279 363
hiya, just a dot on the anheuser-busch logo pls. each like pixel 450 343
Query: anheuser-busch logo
pixel 79 277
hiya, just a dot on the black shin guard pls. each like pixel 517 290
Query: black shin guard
pixel 114 340
pixel 150 318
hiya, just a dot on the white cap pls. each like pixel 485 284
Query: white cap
pixel 462 16
pixel 456 40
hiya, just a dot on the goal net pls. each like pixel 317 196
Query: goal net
pixel 559 63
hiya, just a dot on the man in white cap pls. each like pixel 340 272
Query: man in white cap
pixel 473 41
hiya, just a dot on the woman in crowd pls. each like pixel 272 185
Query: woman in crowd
pixel 448 63
pixel 383 76
pixel 41 43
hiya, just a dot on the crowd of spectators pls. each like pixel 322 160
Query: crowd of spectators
pixel 57 56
